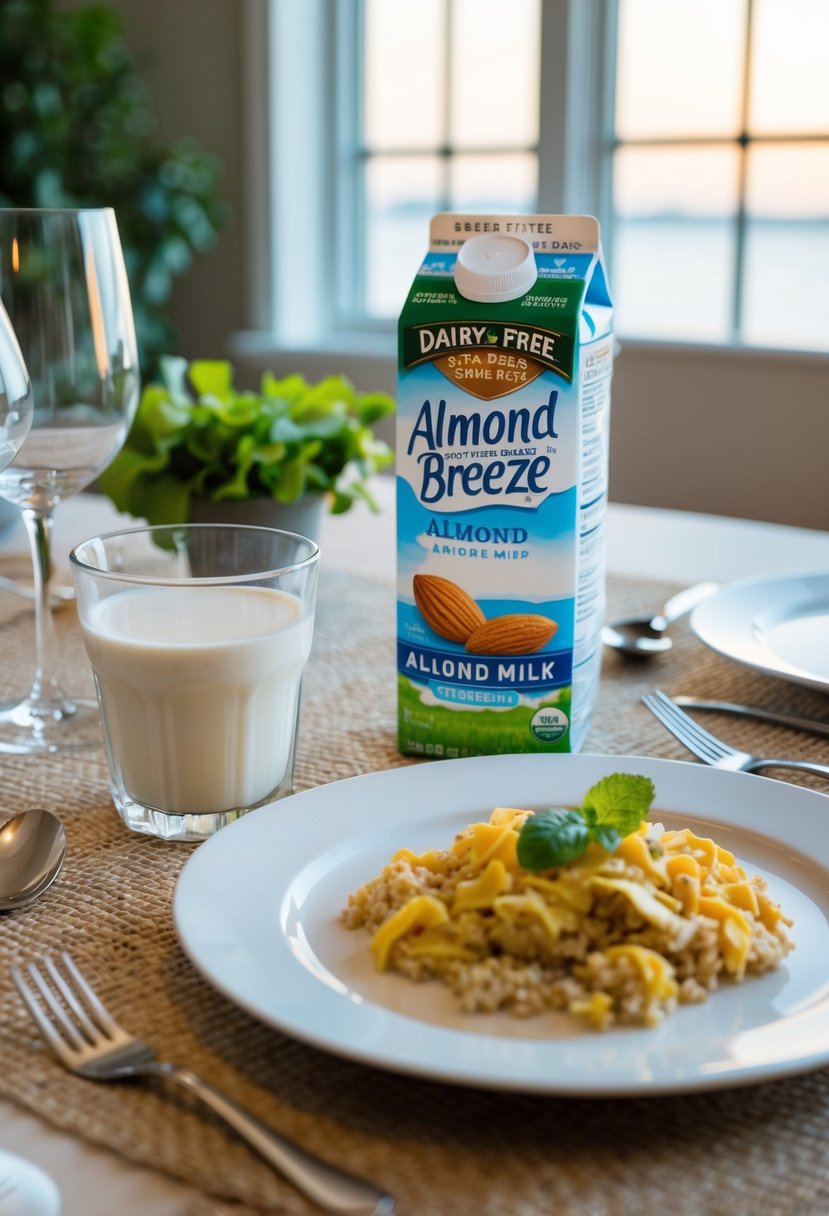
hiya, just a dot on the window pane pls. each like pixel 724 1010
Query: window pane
pixel 672 279
pixel 787 181
pixel 402 193
pixel 497 182
pixel 790 67
pixel 669 182
pixel 785 301
pixel 674 242
pixel 680 67
pixel 495 73
pixel 404 99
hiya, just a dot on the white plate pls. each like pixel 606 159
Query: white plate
pixel 257 911
pixel 779 626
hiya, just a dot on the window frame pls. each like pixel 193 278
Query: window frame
pixel 742 141
pixel 669 396
pixel 301 69
pixel 302 100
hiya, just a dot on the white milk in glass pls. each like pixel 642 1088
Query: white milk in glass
pixel 198 722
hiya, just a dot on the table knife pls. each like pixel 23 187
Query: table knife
pixel 814 725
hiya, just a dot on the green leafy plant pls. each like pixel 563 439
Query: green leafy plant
pixel 612 809
pixel 76 129
pixel 288 439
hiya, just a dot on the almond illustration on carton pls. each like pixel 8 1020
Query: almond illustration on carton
pixel 446 608
pixel 518 633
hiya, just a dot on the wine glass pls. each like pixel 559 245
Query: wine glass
pixel 64 285
pixel 15 392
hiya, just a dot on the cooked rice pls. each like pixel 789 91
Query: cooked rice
pixel 618 937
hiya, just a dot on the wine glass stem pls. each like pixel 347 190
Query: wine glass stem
pixel 45 696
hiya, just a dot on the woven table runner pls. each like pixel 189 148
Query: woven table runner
pixel 441 1150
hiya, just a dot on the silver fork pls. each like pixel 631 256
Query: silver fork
pixel 88 1041
pixel 711 749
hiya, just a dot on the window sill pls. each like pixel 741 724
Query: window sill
pixel 363 349
pixel 369 360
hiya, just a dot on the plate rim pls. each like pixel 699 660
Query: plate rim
pixel 751 654
pixel 286 1023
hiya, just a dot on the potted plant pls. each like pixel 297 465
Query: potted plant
pixel 202 450
pixel 77 129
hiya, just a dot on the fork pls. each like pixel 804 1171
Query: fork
pixel 88 1041
pixel 711 749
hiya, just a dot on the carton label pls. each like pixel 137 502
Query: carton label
pixel 502 485
pixel 488 353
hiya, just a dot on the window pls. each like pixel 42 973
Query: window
pixel 697 130
pixel 721 171
pixel 449 122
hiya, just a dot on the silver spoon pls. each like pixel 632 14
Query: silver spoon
pixel 32 849
pixel 643 636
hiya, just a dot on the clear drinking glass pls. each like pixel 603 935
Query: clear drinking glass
pixel 64 285
pixel 198 635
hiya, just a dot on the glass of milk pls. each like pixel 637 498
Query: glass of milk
pixel 198 635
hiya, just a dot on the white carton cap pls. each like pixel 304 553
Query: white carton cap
pixel 494 268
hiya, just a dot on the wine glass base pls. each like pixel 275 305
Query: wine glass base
pixel 60 726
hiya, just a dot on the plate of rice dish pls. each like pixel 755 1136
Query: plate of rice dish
pixel 573 924
pixel 526 912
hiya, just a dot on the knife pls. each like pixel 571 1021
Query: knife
pixel 813 725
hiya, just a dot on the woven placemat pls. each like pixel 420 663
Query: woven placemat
pixel 441 1150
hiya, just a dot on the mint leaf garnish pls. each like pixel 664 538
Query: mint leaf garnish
pixel 620 801
pixel 552 838
pixel 612 809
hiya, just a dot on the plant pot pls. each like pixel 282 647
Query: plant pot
pixel 303 516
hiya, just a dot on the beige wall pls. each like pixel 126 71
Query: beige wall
pixel 188 54
pixel 742 433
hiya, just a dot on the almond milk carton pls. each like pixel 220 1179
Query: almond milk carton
pixel 505 356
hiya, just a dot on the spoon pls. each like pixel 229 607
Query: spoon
pixel 643 636
pixel 32 849
pixel 58 593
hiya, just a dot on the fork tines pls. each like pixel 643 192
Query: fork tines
pixel 67 1036
pixel 685 728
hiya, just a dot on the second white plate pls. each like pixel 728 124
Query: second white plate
pixel 779 626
